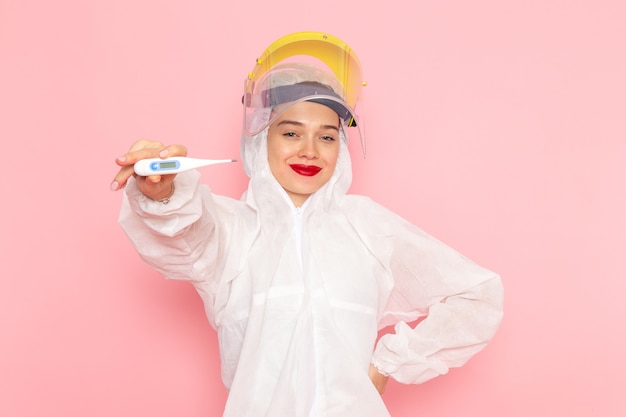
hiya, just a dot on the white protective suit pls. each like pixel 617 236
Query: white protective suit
pixel 297 295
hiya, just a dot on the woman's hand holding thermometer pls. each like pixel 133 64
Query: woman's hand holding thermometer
pixel 154 166
pixel 173 165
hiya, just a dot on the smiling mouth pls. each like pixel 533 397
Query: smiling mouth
pixel 306 170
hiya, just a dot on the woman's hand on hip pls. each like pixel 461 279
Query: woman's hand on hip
pixel 379 380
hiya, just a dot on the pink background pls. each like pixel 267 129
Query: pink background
pixel 497 126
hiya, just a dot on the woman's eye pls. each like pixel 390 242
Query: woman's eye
pixel 328 138
pixel 290 134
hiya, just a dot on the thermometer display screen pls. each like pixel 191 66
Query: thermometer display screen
pixel 167 165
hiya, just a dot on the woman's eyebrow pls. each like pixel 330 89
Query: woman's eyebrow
pixel 296 123
pixel 289 122
pixel 333 127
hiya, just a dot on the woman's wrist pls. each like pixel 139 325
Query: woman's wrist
pixel 166 199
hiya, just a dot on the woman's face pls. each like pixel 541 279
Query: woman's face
pixel 302 147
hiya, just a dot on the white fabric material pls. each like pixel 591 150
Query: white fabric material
pixel 297 296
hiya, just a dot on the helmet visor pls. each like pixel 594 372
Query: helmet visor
pixel 304 66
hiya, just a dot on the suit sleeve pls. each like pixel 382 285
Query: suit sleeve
pixel 459 303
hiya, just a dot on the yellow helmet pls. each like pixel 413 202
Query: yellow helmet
pixel 302 66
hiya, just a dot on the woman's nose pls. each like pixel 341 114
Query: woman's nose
pixel 308 149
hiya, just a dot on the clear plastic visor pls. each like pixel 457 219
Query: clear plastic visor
pixel 304 66
pixel 288 84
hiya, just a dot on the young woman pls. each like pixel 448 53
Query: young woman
pixel 298 276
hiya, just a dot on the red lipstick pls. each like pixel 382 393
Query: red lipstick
pixel 306 170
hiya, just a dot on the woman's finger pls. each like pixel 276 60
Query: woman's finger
pixel 121 178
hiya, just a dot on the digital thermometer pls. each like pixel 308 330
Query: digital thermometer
pixel 173 165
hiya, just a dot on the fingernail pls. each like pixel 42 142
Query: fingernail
pixel 164 153
pixel 115 186
pixel 122 158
